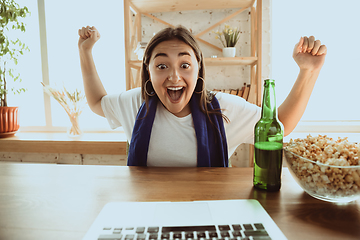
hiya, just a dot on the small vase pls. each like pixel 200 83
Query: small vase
pixel 74 131
pixel 229 51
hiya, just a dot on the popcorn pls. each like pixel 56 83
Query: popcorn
pixel 335 170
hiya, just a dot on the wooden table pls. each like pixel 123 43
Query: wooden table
pixel 48 201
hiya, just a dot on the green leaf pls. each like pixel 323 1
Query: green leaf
pixel 10 14
pixel 11 73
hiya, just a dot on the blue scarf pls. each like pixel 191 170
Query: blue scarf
pixel 211 139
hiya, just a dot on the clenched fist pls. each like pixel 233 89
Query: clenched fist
pixel 309 54
pixel 88 36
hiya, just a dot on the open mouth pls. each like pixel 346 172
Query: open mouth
pixel 175 93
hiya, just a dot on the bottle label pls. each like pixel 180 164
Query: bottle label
pixel 269 145
pixel 267 165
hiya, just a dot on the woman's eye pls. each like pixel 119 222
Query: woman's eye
pixel 185 65
pixel 161 66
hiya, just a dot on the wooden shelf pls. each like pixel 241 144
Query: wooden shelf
pixel 90 143
pixel 135 9
pixel 135 63
pixel 153 6
pixel 230 61
pixel 214 61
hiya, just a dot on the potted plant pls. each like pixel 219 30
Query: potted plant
pixel 10 50
pixel 228 38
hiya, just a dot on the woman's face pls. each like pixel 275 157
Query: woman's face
pixel 173 70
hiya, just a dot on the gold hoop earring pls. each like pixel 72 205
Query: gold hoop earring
pixel 145 88
pixel 203 86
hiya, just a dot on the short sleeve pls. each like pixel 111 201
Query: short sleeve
pixel 242 117
pixel 121 109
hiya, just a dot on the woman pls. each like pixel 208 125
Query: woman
pixel 172 120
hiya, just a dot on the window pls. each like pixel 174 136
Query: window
pixel 63 19
pixel 334 101
pixel 31 103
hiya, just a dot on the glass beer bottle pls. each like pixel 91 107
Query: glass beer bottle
pixel 268 143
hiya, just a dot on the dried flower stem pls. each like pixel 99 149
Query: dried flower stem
pixel 72 102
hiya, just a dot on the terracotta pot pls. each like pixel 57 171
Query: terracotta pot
pixel 9 121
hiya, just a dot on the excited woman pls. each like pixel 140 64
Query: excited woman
pixel 172 120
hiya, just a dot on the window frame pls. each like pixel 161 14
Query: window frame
pixel 46 80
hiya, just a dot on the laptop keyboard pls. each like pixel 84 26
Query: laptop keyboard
pixel 255 231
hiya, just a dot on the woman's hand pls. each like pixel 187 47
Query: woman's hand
pixel 309 54
pixel 88 36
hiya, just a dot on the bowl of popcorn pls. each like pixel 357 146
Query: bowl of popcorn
pixel 326 169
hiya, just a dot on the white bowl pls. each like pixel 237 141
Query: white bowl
pixel 322 181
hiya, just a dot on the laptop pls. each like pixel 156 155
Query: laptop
pixel 196 220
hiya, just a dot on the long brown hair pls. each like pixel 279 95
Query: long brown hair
pixel 184 35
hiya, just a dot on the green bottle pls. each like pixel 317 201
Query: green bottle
pixel 268 143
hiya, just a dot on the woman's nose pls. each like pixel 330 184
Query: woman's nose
pixel 174 76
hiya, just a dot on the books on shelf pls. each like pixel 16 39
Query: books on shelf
pixel 242 92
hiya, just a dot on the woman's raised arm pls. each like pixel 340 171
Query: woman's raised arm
pixel 94 89
pixel 309 54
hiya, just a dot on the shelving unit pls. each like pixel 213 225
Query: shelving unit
pixel 146 7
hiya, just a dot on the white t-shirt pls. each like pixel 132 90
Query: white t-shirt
pixel 173 140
